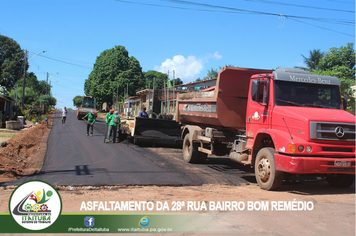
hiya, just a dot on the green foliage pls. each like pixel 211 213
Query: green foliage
pixel 77 100
pixel 112 69
pixel 33 90
pixel 314 59
pixel 176 81
pixel 47 100
pixel 212 74
pixel 31 96
pixel 11 62
pixel 343 56
pixel 159 81
pixel 340 63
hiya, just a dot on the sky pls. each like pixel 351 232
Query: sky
pixel 189 37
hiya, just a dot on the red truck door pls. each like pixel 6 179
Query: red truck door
pixel 257 110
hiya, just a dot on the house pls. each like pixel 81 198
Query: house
pixel 132 106
pixel 7 105
pixel 197 86
pixel 162 101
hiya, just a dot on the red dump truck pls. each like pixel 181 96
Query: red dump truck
pixel 281 122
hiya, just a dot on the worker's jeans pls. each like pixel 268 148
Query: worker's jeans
pixel 112 130
pixel 88 126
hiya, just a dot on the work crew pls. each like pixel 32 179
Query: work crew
pixel 114 123
pixel 90 122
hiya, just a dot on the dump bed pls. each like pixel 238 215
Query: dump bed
pixel 223 107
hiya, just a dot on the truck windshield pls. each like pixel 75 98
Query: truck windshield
pixel 307 95
pixel 88 102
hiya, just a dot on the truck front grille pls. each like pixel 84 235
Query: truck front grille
pixel 332 131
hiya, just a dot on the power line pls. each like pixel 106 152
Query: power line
pixel 352 2
pixel 329 20
pixel 323 28
pixel 165 6
pixel 297 5
pixel 69 63
pixel 244 11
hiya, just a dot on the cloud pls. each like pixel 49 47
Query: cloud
pixel 217 56
pixel 187 69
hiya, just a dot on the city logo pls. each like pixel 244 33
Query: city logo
pixel 35 205
pixel 89 221
pixel 256 116
pixel 144 221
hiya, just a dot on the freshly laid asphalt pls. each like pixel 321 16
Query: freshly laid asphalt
pixel 74 159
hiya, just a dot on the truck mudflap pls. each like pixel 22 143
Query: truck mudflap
pixel 314 165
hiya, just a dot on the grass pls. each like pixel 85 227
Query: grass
pixel 7 135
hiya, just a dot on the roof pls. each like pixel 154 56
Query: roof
pixel 144 92
pixel 194 83
pixel 7 98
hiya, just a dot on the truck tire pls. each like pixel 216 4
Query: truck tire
pixel 268 178
pixel 190 150
pixel 340 180
pixel 202 157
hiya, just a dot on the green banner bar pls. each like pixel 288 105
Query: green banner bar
pixel 113 223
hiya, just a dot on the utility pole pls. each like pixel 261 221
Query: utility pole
pixel 165 96
pixel 24 80
pixel 153 95
pixel 149 96
pixel 47 85
pixel 174 104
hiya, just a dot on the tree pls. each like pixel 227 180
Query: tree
pixel 11 62
pixel 47 100
pixel 39 86
pixel 314 59
pixel 77 100
pixel 160 78
pixel 31 96
pixel 176 81
pixel 212 74
pixel 33 90
pixel 114 69
pixel 340 63
pixel 343 56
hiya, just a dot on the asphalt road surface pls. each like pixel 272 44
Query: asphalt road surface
pixel 74 159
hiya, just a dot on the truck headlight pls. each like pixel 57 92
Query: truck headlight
pixel 300 148
pixel 308 148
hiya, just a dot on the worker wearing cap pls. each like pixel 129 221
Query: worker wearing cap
pixel 107 123
pixel 91 121
pixel 114 122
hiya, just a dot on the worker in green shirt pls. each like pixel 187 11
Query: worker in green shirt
pixel 114 122
pixel 107 124
pixel 91 121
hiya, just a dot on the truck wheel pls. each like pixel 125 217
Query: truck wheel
pixel 190 150
pixel 340 180
pixel 202 157
pixel 268 178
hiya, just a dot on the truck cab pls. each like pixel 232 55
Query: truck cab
pixel 295 123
